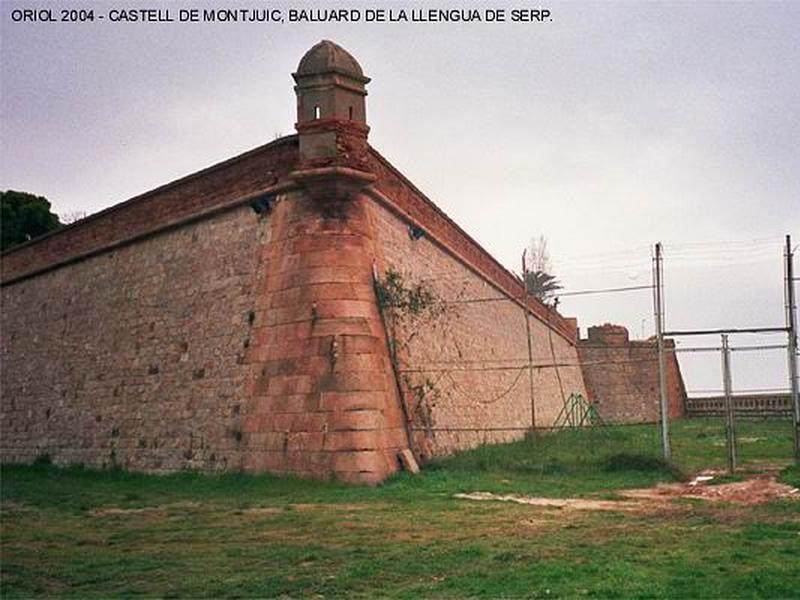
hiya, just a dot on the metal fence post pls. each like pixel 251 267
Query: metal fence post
pixel 658 309
pixel 791 326
pixel 730 431
pixel 528 334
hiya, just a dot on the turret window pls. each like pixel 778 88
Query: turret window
pixel 351 113
pixel 317 113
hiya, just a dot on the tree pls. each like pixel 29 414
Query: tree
pixel 539 279
pixel 24 216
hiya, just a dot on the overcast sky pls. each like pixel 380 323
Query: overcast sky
pixel 612 127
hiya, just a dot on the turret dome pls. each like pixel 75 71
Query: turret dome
pixel 329 57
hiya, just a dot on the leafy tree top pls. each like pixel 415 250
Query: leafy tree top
pixel 24 216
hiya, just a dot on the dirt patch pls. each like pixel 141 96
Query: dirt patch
pixel 534 523
pixel 341 507
pixel 263 510
pixel 110 511
pixel 756 489
pixel 568 503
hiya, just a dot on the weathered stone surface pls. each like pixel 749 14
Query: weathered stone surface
pixel 183 329
pixel 474 355
pixel 136 357
pixel 621 376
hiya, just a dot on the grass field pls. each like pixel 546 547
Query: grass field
pixel 73 532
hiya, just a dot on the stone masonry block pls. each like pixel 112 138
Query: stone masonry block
pixel 337 441
pixel 357 420
pixel 348 363
pixel 297 422
pixel 358 326
pixel 318 346
pixel 362 344
pixel 323 291
pixel 342 257
pixel 326 241
pixel 364 460
pixel 332 309
pixel 305 441
pixel 343 401
pixel 367 381
pixel 283 385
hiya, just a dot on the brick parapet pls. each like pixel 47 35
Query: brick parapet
pixel 200 195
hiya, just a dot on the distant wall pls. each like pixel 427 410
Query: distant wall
pixel 744 405
pixel 621 376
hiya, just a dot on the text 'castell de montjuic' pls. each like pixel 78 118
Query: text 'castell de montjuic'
pixel 292 15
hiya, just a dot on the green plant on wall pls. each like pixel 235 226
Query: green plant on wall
pixel 409 307
pixel 409 299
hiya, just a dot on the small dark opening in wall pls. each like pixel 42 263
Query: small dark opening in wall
pixel 262 204
pixel 317 112
pixel 351 113
pixel 415 232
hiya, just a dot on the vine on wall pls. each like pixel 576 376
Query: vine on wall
pixel 408 300
pixel 409 307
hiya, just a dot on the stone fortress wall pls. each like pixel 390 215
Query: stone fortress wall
pixel 125 335
pixel 135 357
pixel 237 319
